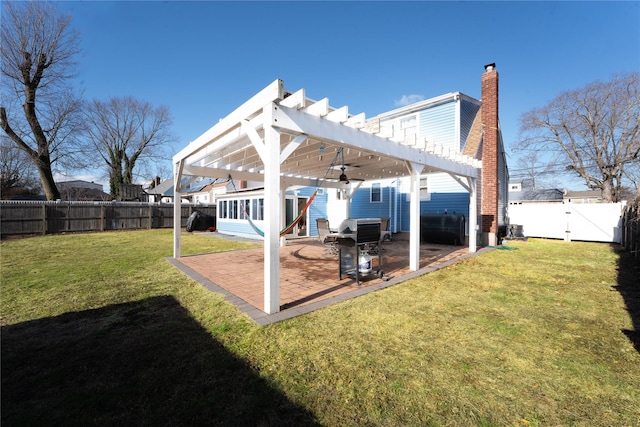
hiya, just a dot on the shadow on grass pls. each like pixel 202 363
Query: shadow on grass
pixel 141 363
pixel 629 287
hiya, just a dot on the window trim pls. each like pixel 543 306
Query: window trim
pixel 377 186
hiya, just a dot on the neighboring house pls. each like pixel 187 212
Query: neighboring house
pixel 589 196
pixel 203 192
pixel 132 193
pixel 209 193
pixel 524 192
pixel 162 192
pixel 79 190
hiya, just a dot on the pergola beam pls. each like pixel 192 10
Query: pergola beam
pixel 271 93
pixel 300 122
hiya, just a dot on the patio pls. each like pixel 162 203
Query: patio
pixel 308 274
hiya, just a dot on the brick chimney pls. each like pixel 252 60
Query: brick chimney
pixel 489 185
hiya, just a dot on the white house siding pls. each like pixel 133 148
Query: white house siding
pixel 568 221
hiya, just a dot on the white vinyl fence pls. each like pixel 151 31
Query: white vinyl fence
pixel 596 222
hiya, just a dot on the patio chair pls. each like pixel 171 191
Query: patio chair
pixel 385 235
pixel 325 236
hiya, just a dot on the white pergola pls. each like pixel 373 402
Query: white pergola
pixel 284 139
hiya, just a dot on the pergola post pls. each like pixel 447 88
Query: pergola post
pixel 177 209
pixel 272 212
pixel 473 214
pixel 414 217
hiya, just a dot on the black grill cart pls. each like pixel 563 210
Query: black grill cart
pixel 355 238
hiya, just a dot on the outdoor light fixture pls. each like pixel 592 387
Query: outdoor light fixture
pixel 343 177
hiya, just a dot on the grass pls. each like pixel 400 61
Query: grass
pixel 100 329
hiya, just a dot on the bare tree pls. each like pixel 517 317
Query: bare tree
pixel 536 171
pixel 126 132
pixel 17 173
pixel 593 131
pixel 37 53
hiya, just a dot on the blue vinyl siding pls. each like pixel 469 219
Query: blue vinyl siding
pixel 238 227
pixel 241 227
pixel 318 208
pixel 451 202
pixel 361 206
pixel 444 183
pixel 437 124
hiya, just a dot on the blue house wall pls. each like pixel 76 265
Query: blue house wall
pixel 362 207
pixel 317 209
pixel 440 203
pixel 437 124
pixel 240 226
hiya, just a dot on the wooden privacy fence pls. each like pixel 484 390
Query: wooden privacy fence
pixel 25 218
pixel 631 230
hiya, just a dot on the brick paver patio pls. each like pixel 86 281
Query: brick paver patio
pixel 308 274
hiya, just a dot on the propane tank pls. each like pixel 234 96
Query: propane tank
pixel 364 263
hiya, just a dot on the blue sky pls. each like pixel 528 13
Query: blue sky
pixel 202 59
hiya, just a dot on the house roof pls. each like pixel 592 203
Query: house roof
pixel 586 194
pixel 314 137
pixel 535 195
pixel 165 188
pixel 211 186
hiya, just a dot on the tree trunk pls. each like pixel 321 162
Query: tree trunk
pixel 48 184
pixel 608 191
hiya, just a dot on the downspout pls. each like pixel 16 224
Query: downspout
pixel 390 205
pixel 456 128
pixel 395 208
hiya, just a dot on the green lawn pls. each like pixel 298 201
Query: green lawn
pixel 99 329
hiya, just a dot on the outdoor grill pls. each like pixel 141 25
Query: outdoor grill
pixel 355 237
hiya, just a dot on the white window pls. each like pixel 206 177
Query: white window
pixel 376 193
pixel 424 189
pixel 222 209
pixel 409 125
pixel 244 208
pixel 233 209
pixel 257 209
pixel 408 122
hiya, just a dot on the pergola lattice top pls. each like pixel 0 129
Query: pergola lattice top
pixel 311 132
